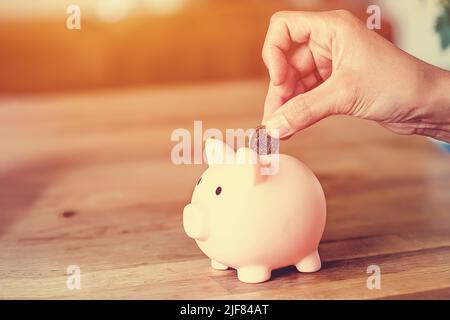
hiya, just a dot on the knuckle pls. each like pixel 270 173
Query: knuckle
pixel 277 16
pixel 280 16
pixel 266 53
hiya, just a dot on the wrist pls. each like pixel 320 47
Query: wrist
pixel 434 96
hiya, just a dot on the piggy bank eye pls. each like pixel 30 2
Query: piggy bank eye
pixel 200 179
pixel 218 190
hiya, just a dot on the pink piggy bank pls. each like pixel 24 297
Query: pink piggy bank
pixel 252 222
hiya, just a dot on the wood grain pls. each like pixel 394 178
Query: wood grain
pixel 86 179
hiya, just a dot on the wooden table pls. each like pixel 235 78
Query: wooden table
pixel 87 180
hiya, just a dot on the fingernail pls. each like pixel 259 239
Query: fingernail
pixel 277 126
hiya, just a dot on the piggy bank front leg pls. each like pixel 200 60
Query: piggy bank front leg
pixel 310 263
pixel 254 274
pixel 218 266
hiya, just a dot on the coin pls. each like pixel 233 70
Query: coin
pixel 262 142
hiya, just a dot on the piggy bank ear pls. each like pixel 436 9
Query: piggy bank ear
pixel 252 165
pixel 218 152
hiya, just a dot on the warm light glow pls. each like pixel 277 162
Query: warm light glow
pixel 163 7
pixel 105 10
pixel 113 10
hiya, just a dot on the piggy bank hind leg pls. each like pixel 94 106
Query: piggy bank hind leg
pixel 310 263
pixel 254 274
pixel 218 266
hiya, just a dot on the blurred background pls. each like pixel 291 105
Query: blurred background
pixel 140 42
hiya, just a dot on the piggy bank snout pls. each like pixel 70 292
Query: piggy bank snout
pixel 195 222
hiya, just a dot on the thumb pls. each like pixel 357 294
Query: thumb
pixel 305 109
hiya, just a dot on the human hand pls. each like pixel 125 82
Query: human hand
pixel 326 63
